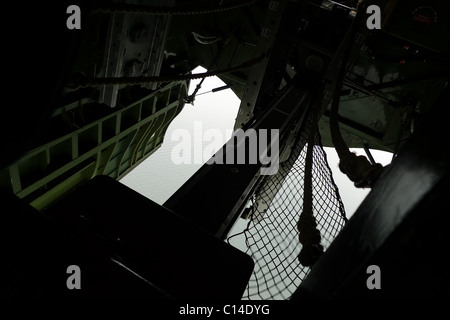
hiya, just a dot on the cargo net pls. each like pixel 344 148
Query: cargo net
pixel 271 236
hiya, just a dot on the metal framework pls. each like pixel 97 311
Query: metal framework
pixel 112 145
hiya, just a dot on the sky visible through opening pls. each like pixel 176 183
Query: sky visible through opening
pixel 158 177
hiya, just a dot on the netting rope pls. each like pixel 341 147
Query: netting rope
pixel 271 237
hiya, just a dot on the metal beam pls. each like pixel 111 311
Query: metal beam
pixel 213 197
pixel 267 37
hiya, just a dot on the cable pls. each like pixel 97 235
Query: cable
pixel 357 168
pixel 172 11
pixel 205 40
pixel 82 81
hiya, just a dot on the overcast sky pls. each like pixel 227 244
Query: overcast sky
pixel 158 177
